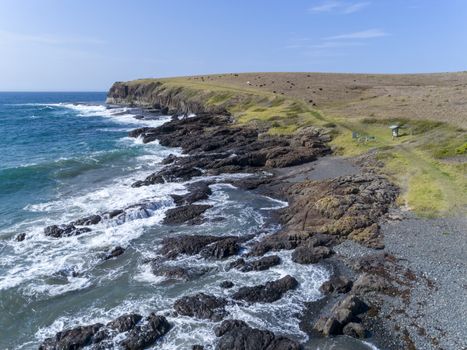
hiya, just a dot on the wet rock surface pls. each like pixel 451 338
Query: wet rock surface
pixel 185 214
pixel 339 284
pixel 306 254
pixel 261 264
pixel 90 220
pixel 117 251
pixel 146 334
pixel 216 247
pixel 64 231
pixel 75 338
pixel 216 146
pixel 20 237
pixel 176 272
pixel 221 249
pixel 226 284
pixel 201 306
pixel 268 292
pixel 125 322
pixel 142 332
pixel 237 335
pixel 186 244
pixel 196 192
pixel 343 313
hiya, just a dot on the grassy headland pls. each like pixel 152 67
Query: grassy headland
pixel 428 160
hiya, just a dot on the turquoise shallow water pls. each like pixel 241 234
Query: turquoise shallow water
pixel 64 156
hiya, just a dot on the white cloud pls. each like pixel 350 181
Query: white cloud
pixel 326 6
pixel 355 7
pixel 343 7
pixel 336 44
pixel 365 34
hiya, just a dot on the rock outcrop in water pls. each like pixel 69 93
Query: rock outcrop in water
pixel 146 334
pixel 196 192
pixel 217 247
pixel 217 146
pixel 75 338
pixel 268 292
pixel 261 264
pixel 237 335
pixel 141 334
pixel 189 214
pixel 64 230
pixel 202 306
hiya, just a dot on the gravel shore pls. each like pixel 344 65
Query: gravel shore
pixel 435 250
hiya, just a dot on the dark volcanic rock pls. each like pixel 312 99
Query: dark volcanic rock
pixel 237 335
pixel 170 174
pixel 169 159
pixel 290 240
pixel 208 246
pixel 125 322
pixel 89 220
pixel 186 244
pixel 221 249
pixel 274 242
pixel 197 191
pixel 99 336
pixel 115 252
pixel 112 214
pixel 21 237
pixel 261 264
pixel 201 306
pixel 217 146
pixel 341 314
pixel 185 214
pixel 310 255
pixel 64 231
pixel 266 293
pixel 145 334
pixel 340 284
pixel 75 338
pixel 176 272
pixel 226 284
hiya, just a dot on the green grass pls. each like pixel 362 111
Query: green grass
pixel 418 161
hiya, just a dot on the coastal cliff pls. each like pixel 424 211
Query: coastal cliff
pixel 157 95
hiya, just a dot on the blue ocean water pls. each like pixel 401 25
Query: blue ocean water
pixel 49 138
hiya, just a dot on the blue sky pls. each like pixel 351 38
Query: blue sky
pixel 87 45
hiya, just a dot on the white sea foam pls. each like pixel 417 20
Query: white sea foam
pixel 52 256
pixel 120 115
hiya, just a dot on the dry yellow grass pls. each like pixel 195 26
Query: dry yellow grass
pixel 437 97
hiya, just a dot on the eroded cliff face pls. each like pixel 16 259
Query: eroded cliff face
pixel 173 100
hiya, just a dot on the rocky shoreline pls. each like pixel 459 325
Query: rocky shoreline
pixel 322 216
